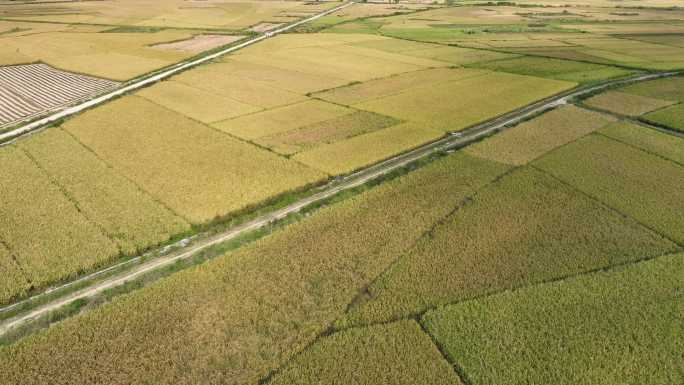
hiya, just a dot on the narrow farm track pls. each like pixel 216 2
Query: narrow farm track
pixel 12 135
pixel 139 266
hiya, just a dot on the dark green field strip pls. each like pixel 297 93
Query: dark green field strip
pixel 399 354
pixel 672 117
pixel 655 142
pixel 643 186
pixel 573 71
pixel 526 228
pixel 618 327
pixel 234 319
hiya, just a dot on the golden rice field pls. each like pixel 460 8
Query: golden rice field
pixel 671 88
pixel 529 140
pixel 642 185
pixel 525 228
pixel 270 306
pixel 626 104
pixel 42 227
pixel 196 171
pixel 661 144
pixel 127 215
pixel 14 283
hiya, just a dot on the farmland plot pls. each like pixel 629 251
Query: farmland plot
pixel 49 237
pixel 671 88
pixel 14 282
pixel 198 172
pixel 526 228
pixel 667 146
pixel 34 89
pixel 233 319
pixel 127 215
pixel 672 117
pixel 636 183
pixel 607 327
pixel 399 353
pixel 626 104
pixel 529 140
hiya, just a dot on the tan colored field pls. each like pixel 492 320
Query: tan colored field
pixel 195 103
pixel 199 43
pixel 14 283
pixel 351 154
pixel 282 119
pixel 530 140
pixel 196 171
pixel 626 104
pixel 665 145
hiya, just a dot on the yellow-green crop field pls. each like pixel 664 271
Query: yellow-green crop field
pixel 397 353
pixel 42 228
pixel 453 106
pixel 529 140
pixel 665 145
pixel 130 217
pixel 671 88
pixel 195 170
pixel 626 104
pixel 643 185
pixel 526 228
pixel 671 117
pixel 233 319
pixel 14 283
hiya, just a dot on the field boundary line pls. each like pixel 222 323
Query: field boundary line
pixel 12 135
pixel 356 179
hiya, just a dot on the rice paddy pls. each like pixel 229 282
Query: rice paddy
pixel 671 117
pixel 661 144
pixel 626 104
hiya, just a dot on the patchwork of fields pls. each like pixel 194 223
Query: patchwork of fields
pixel 548 251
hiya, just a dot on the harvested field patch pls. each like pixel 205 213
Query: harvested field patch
pixel 265 27
pixel 667 146
pixel 326 132
pixel 34 89
pixel 281 119
pixel 252 310
pixel 392 85
pixel 196 171
pixel 399 353
pixel 199 43
pixel 641 185
pixel 597 328
pixel 453 106
pixel 46 233
pixel 672 117
pixel 351 154
pixel 671 88
pixel 256 88
pixel 577 72
pixel 525 228
pixel 127 215
pixel 14 283
pixel 626 104
pixel 195 103
pixel 529 140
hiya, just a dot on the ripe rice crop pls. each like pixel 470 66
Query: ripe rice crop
pixel 326 132
pixel 602 328
pixel 281 119
pixel 672 117
pixel 459 56
pixel 626 104
pixel 50 238
pixel 253 88
pixel 351 154
pixel 14 282
pixel 641 185
pixel 195 103
pixel 233 319
pixel 670 88
pixel 128 216
pixel 453 106
pixel 667 146
pixel 577 72
pixel 196 171
pixel 396 84
pixel 529 140
pixel 399 353
pixel 523 229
